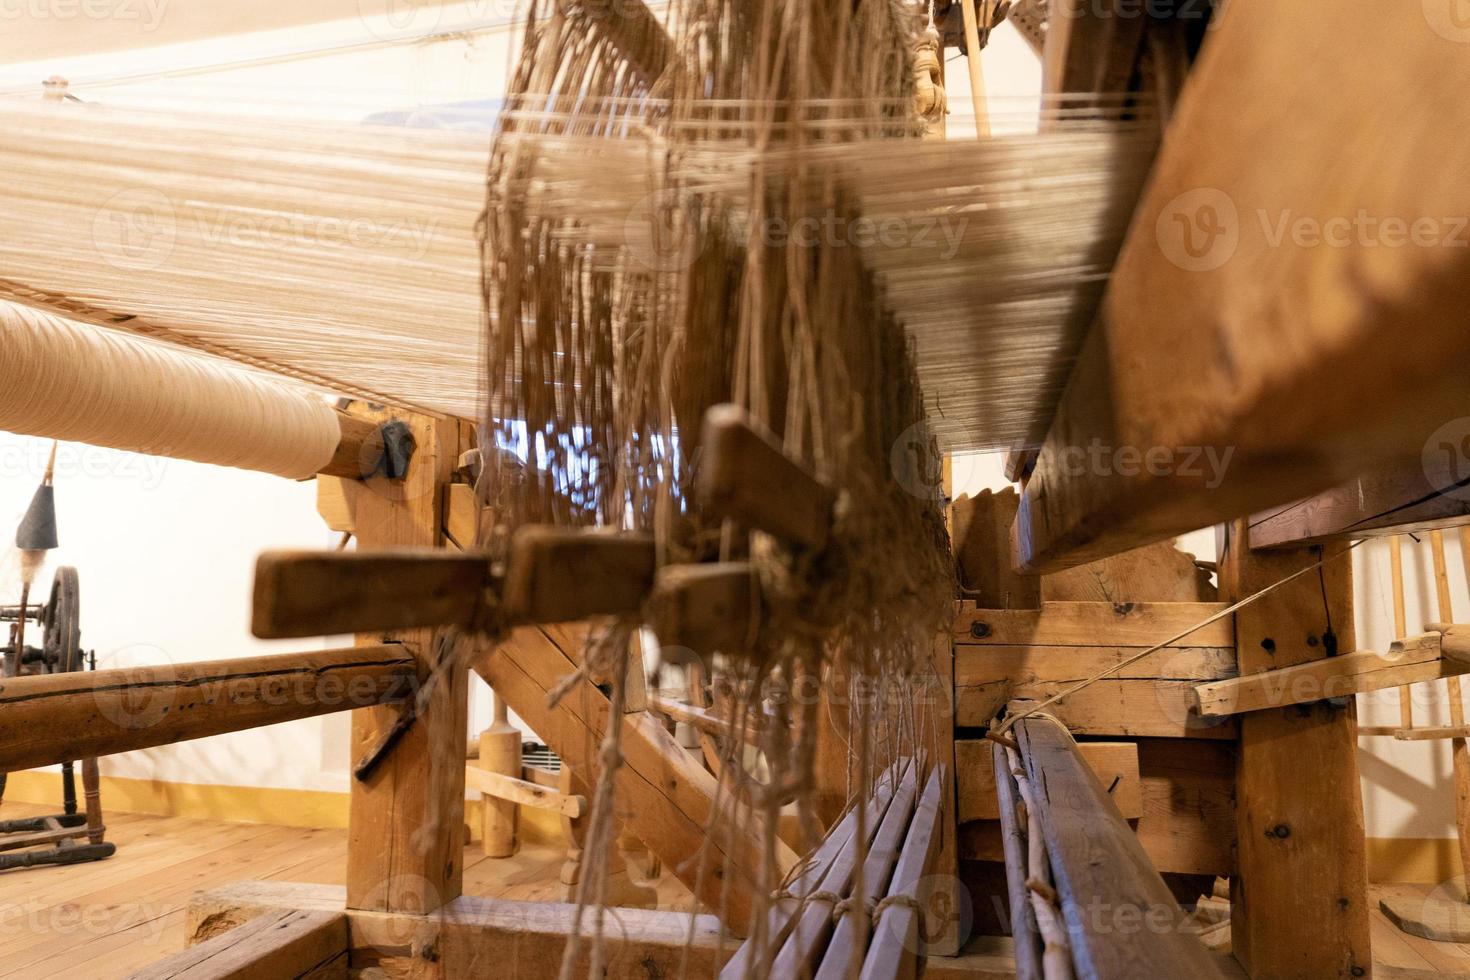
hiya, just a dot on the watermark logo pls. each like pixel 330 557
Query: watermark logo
pixel 1450 19
pixel 917 464
pixel 1446 459
pixel 135 230
pixel 659 233
pixel 147 14
pixel 1199 230
pixel 146 694
pixel 391 20
pixel 1206 465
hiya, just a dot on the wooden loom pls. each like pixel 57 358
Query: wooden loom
pixel 1229 753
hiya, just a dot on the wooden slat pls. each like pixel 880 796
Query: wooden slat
pixel 1098 863
pixel 1295 362
pixel 51 718
pixel 1429 734
pixel 744 474
pixel 1388 501
pixel 1334 677
pixel 1093 624
pixel 1299 902
pixel 282 943
pixel 849 940
pixel 1114 763
pixel 898 933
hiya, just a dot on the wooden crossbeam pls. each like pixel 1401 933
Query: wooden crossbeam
pixel 1408 661
pixel 553 575
pixel 1250 348
pixel 1114 763
pixel 708 608
pixel 474 936
pixel 1393 500
pixel 51 718
pixel 1098 863
pixel 282 942
pixel 745 475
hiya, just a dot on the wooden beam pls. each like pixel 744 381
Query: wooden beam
pixel 670 798
pixel 1104 879
pixel 1392 500
pixel 554 575
pixel 1299 899
pixel 1114 763
pixel 1292 392
pixel 1407 662
pixel 1093 624
pixel 282 942
pixel 1152 697
pixel 1430 734
pixel 746 475
pixel 1015 848
pixel 474 935
pixel 405 825
pixel 523 793
pixel 51 718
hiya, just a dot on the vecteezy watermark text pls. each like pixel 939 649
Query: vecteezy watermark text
pixel 148 14
pixel 1207 463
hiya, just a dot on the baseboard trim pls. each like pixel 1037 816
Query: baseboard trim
pixel 1413 860
pixel 242 804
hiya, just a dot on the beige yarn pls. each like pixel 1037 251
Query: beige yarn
pixel 65 380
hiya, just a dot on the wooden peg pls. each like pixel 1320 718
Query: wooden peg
pixel 746 475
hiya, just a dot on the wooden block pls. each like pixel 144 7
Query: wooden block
pixel 981 538
pixel 1094 624
pixel 746 475
pixel 281 942
pixel 300 594
pixel 1159 572
pixel 558 575
pixel 1114 763
pixel 708 609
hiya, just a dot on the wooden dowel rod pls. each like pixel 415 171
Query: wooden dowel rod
pixel 1400 620
pixel 523 793
pixel 897 930
pixel 50 718
pixel 1013 844
pixel 977 75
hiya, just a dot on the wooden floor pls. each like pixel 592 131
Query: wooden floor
pixel 109 918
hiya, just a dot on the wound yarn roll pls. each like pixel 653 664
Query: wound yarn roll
pixel 65 380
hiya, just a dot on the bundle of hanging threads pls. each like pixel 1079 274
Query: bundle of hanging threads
pixel 633 281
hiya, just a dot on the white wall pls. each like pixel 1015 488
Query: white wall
pixel 165 551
